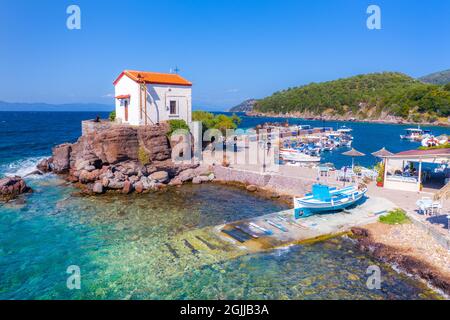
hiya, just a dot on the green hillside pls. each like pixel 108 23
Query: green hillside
pixel 364 96
pixel 441 77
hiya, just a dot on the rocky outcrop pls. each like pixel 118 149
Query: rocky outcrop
pixel 60 161
pixel 409 264
pixel 245 106
pixel 11 187
pixel 123 158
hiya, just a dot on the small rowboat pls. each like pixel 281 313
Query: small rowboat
pixel 325 199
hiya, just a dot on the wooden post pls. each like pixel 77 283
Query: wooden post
pixel 420 175
pixel 385 171
pixel 145 102
pixel 140 102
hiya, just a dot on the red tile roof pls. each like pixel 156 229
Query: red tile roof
pixel 154 78
pixel 123 96
pixel 431 152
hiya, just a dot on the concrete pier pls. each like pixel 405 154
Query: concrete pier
pixel 308 229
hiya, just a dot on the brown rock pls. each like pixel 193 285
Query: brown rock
pixel 175 182
pixel 44 165
pixel 98 187
pixel 87 177
pixel 186 175
pixel 139 187
pixel 115 184
pixel 11 187
pixel 61 158
pixel 197 180
pixel 155 141
pixel 252 188
pixel 127 187
pixel 105 182
pixel 160 176
pixel 360 232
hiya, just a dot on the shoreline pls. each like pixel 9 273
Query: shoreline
pixel 377 240
pixel 393 120
pixel 366 240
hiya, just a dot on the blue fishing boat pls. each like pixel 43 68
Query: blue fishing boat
pixel 325 199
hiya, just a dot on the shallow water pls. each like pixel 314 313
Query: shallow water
pixel 121 243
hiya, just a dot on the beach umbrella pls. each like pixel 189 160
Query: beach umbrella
pixel 353 153
pixel 444 193
pixel 382 153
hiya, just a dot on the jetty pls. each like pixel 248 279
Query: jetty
pixel 273 231
pixel 285 230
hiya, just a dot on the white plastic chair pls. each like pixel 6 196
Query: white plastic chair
pixel 425 204
pixel 436 208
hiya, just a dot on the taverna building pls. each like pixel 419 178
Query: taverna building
pixel 147 98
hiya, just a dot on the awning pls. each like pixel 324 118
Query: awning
pixel 123 96
pixel 354 153
pixel 382 153
pixel 429 156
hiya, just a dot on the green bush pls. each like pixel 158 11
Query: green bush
pixel 394 93
pixel 221 122
pixel 177 124
pixel 112 116
pixel 397 216
pixel 143 156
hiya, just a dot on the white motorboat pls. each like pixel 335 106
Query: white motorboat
pixel 415 134
pixel 294 155
pixel 344 129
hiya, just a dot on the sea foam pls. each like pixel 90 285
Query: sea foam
pixel 22 167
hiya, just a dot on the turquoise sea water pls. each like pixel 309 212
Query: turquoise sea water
pixel 121 243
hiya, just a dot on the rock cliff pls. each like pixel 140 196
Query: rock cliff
pixel 123 158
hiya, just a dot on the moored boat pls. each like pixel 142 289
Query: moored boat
pixel 344 129
pixel 415 134
pixel 325 199
pixel 294 155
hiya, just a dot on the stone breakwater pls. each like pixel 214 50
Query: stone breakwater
pixel 122 158
pixel 271 182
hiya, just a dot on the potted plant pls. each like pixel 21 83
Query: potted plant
pixel 380 178
pixel 379 182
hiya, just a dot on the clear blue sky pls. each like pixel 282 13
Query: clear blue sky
pixel 230 49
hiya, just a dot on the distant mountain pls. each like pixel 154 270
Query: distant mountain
pixel 368 96
pixel 245 106
pixel 441 77
pixel 18 106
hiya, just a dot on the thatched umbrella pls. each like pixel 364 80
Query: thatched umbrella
pixel 382 153
pixel 353 153
pixel 444 193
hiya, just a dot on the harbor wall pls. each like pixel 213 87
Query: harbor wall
pixel 92 127
pixel 271 181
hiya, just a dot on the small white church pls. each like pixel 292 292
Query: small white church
pixel 146 98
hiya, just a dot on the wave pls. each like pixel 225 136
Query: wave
pixel 21 167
